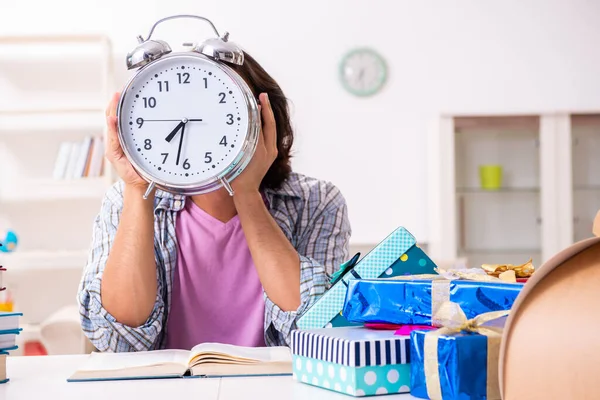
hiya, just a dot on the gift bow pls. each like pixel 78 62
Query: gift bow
pixel 345 268
pixel 453 320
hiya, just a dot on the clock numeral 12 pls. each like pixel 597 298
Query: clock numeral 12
pixel 183 78
pixel 161 84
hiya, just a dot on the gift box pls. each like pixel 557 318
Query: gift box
pixel 460 360
pixel 414 302
pixel 397 255
pixel 352 360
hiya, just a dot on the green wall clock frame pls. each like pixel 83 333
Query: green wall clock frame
pixel 363 71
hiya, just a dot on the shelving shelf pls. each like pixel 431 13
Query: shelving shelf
pixel 42 109
pixel 550 190
pixel 50 189
pixel 83 120
pixel 53 260
pixel 475 190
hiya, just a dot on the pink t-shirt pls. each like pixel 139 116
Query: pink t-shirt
pixel 216 295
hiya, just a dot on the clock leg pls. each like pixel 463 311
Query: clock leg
pixel 149 190
pixel 227 186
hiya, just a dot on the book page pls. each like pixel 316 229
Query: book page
pixel 215 351
pixel 117 361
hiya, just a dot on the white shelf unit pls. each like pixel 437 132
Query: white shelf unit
pixel 55 89
pixel 549 195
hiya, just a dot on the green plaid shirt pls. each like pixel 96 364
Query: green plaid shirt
pixel 312 214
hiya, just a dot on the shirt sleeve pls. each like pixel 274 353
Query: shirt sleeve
pixel 322 246
pixel 103 330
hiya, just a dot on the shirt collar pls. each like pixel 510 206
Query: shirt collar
pixel 176 202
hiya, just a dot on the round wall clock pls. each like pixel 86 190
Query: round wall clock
pixel 188 123
pixel 363 72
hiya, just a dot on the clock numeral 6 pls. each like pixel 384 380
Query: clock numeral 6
pixel 208 157
pixel 148 144
pixel 183 78
pixel 229 119
pixel 186 164
pixel 149 102
pixel 222 101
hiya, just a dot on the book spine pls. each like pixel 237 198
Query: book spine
pixel 73 155
pixel 82 158
pixel 62 159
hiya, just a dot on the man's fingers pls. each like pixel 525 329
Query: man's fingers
pixel 268 123
pixel 111 109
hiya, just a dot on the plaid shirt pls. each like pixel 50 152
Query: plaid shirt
pixel 312 214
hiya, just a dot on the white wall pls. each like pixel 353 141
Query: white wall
pixel 466 56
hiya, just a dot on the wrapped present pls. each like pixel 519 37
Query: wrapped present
pixel 397 255
pixel 459 360
pixel 416 301
pixel 352 360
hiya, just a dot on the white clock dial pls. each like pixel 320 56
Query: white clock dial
pixel 184 120
pixel 363 72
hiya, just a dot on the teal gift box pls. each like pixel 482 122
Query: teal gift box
pixel 352 360
pixel 398 254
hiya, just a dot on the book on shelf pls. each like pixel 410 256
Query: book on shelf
pixel 82 159
pixel 207 360
pixel 3 375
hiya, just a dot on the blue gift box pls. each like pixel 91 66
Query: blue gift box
pixel 398 254
pixel 414 302
pixel 466 366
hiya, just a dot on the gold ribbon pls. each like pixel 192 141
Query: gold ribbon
pixel 521 271
pixel 453 320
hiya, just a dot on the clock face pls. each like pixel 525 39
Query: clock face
pixel 184 121
pixel 363 72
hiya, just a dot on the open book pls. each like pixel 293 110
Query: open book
pixel 207 360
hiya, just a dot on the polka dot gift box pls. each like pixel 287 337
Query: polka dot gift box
pixel 398 254
pixel 351 360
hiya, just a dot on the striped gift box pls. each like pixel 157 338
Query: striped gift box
pixel 354 361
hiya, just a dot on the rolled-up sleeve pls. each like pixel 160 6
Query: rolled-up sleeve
pixel 322 246
pixel 103 330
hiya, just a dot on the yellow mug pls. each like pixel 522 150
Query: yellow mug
pixel 490 176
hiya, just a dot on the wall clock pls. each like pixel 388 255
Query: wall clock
pixel 363 72
pixel 188 123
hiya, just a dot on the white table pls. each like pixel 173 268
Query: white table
pixel 45 377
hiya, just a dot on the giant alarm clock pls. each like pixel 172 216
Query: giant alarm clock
pixel 187 122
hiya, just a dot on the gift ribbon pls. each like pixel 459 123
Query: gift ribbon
pixel 345 268
pixel 453 320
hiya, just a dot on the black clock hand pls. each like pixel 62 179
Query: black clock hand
pixel 170 120
pixel 174 131
pixel 180 143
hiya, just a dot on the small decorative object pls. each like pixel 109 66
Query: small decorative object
pixel 363 72
pixel 459 360
pixel 521 271
pixel 355 361
pixel 415 302
pixel 550 343
pixel 490 176
pixel 8 241
pixel 398 254
pixel 188 122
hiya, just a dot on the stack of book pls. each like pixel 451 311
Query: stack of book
pixel 80 159
pixel 9 329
